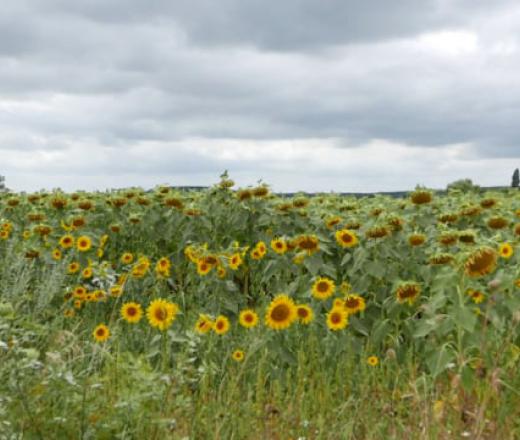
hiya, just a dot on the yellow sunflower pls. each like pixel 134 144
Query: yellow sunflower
pixel 407 292
pixel 238 355
pixel 73 267
pixel 476 296
pixel 56 254
pixel 221 325
pixel 131 312
pixel 372 361
pixel 101 333
pixel 337 319
pixel 116 291
pixel 248 318
pixel 323 288
pixel 127 258
pixel 203 268
pixel 346 238
pixel 84 243
pixel 281 313
pixel 505 250
pixel 416 239
pixel 304 313
pixel 354 303
pixel 204 324
pixel 279 246
pixel 235 261
pixel 161 313
pixel 481 262
pixel 67 241
pixel 87 272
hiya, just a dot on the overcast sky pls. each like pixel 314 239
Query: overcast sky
pixel 307 95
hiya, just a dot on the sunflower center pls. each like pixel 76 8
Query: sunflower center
pixel 335 318
pixel 346 238
pixel 323 286
pixel 131 311
pixel 280 313
pixel 161 314
pixel 407 292
pixel 303 313
pixel 352 303
pixel 100 332
pixel 220 325
pixel 248 318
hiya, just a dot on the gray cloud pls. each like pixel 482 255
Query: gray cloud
pixel 116 76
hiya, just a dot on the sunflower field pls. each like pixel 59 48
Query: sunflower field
pixel 239 314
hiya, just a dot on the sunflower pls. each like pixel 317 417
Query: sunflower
pixel 517 229
pixel 26 234
pixel 346 238
pixel 127 258
pixel 323 288
pixel 467 237
pixel 337 319
pixel 281 313
pixel 497 223
pixel 203 268
pixel 161 313
pixel 116 291
pixel 476 295
pixel 56 254
pixel 101 333
pixel 248 318
pixel 333 221
pixel 69 313
pixel 377 232
pixel 235 261
pixel 279 246
pixel 481 262
pixel 354 303
pixel 238 355
pixel 440 259
pixel 421 197
pixel 448 238
pixel 416 239
pixel 67 241
pixel 505 250
pixel 221 272
pixel 204 324
pixel 304 313
pixel 517 283
pixel 141 267
pixel 162 267
pixel 372 361
pixel 131 312
pixel 221 325
pixel 408 292
pixel 84 243
pixel 73 267
pixel 79 292
pixel 87 272
pixel 308 243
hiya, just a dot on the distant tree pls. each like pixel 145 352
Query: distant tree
pixel 2 183
pixel 463 185
pixel 516 179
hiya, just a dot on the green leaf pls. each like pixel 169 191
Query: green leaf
pixel 439 360
pixel 464 317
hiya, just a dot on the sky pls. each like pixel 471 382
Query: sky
pixel 331 95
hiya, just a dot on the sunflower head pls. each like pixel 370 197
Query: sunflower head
pixel 372 361
pixel 346 238
pixel 131 312
pixel 354 303
pixel 407 292
pixel 476 296
pixel 448 238
pixel 308 243
pixel 161 313
pixel 248 318
pixel 421 197
pixel 101 333
pixel 482 261
pixel 221 325
pixel 84 243
pixel 204 324
pixel 305 313
pixel 505 250
pixel 377 232
pixel 323 288
pixel 281 313
pixel 497 222
pixel 416 239
pixel 488 203
pixel 337 318
pixel 238 355
pixel 279 246
pixel 441 258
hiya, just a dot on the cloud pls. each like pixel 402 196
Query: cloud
pixel 128 88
